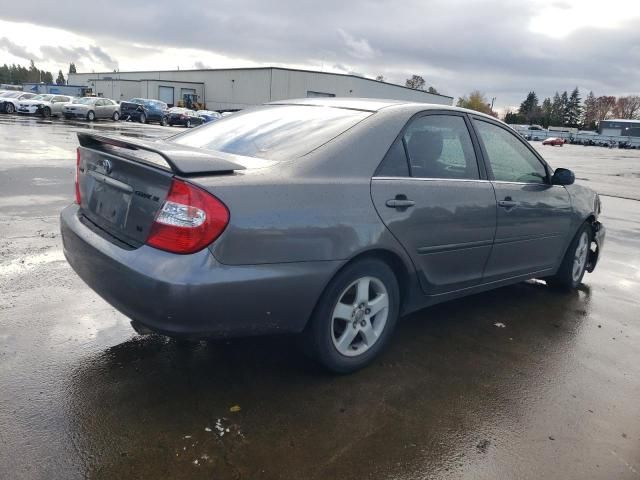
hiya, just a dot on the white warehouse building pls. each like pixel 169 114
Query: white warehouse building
pixel 237 88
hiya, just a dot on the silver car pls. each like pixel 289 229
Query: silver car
pixel 92 108
pixel 47 105
pixel 325 217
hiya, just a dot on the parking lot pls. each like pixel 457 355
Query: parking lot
pixel 521 382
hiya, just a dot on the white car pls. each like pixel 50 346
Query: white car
pixel 46 105
pixel 9 100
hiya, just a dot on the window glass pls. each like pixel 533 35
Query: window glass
pixel 510 159
pixel 439 146
pixel 275 132
pixel 395 162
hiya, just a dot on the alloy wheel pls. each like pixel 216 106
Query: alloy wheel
pixel 360 316
pixel 580 257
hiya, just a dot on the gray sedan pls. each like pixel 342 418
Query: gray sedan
pixel 325 217
pixel 92 108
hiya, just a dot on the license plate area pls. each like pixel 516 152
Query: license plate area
pixel 111 204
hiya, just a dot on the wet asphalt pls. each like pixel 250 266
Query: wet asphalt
pixel 521 382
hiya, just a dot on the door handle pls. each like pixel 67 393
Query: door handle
pixel 507 203
pixel 400 201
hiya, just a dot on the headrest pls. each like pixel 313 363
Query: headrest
pixel 425 146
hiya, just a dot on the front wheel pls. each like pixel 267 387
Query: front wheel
pixel 574 263
pixel 91 116
pixel 143 118
pixel 9 108
pixel 164 122
pixel 188 123
pixel 116 116
pixel 355 316
pixel 46 112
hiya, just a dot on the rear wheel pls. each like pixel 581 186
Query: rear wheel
pixel 188 123
pixel 143 118
pixel 574 263
pixel 116 116
pixel 46 112
pixel 164 122
pixel 91 116
pixel 355 316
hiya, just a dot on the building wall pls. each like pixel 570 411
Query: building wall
pixel 241 88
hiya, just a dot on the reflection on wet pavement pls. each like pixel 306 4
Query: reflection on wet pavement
pixel 551 394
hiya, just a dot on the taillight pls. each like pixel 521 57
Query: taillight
pixel 77 174
pixel 189 220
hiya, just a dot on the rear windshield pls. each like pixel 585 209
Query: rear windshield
pixel 275 132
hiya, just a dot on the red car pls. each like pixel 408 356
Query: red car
pixel 554 141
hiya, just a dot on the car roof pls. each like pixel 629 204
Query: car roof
pixel 374 104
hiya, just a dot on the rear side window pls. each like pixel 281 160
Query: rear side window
pixel 395 162
pixel 275 132
pixel 509 158
pixel 439 146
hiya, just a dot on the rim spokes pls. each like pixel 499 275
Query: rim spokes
pixel 346 338
pixel 369 335
pixel 362 292
pixel 343 311
pixel 378 304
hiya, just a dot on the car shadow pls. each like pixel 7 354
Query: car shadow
pixel 257 407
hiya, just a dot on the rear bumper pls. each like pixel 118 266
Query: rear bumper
pixel 194 295
pixel 75 113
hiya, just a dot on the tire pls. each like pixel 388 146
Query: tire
pixel 574 263
pixel 9 108
pixel 334 340
pixel 188 125
pixel 46 112
pixel 164 122
pixel 116 116
pixel 143 118
pixel 91 116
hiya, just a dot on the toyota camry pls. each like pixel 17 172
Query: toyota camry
pixel 328 218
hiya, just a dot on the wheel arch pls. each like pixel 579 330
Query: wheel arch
pixel 397 264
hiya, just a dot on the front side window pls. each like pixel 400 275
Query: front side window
pixel 276 132
pixel 439 146
pixel 510 159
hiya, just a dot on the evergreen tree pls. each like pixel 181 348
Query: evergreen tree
pixel 557 111
pixel 547 111
pixel 564 98
pixel 574 108
pixel 530 109
pixel 60 79
pixel 72 68
pixel 590 112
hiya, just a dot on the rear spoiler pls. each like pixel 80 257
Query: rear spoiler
pixel 181 159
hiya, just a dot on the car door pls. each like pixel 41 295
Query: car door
pixel 57 103
pixel 435 198
pixel 534 216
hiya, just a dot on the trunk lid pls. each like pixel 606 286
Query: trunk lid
pixel 123 182
pixel 128 107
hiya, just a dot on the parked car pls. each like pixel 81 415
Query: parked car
pixel 183 116
pixel 325 217
pixel 46 105
pixel 144 110
pixel 92 108
pixel 209 116
pixel 9 100
pixel 553 141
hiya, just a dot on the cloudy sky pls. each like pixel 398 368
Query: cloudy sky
pixel 502 47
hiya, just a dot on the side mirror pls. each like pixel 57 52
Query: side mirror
pixel 563 176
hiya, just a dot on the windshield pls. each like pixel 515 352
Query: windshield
pixel 274 132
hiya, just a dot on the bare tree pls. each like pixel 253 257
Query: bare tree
pixel 604 107
pixel 627 107
pixel 416 82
